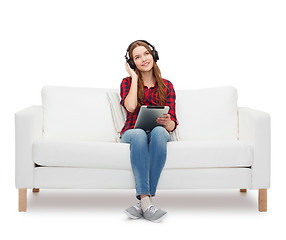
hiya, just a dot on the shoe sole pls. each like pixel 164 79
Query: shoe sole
pixel 130 215
pixel 159 219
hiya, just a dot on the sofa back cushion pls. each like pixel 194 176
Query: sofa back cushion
pixel 207 114
pixel 74 113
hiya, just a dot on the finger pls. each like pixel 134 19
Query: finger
pixel 160 121
pixel 164 121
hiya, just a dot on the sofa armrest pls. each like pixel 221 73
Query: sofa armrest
pixel 28 128
pixel 254 128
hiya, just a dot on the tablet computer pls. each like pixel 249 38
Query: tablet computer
pixel 147 116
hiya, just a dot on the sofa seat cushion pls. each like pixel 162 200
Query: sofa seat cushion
pixel 208 154
pixel 89 154
pixel 108 155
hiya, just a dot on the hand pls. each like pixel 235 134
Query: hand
pixel 165 121
pixel 131 72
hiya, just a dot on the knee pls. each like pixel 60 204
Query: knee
pixel 160 133
pixel 139 135
pixel 160 130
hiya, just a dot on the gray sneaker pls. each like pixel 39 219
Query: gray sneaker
pixel 134 212
pixel 154 214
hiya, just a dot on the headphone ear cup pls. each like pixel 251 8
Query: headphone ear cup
pixel 131 64
pixel 155 55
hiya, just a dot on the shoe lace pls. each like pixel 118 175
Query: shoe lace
pixel 152 209
pixel 138 206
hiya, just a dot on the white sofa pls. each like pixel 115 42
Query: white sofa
pixel 71 142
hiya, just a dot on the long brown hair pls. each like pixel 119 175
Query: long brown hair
pixel 162 88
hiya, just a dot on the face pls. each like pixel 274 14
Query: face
pixel 143 59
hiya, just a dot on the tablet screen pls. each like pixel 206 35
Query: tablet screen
pixel 147 116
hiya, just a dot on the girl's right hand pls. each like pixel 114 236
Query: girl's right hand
pixel 130 71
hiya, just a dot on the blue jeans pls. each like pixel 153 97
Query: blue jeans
pixel 148 152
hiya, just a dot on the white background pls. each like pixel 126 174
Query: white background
pixel 200 44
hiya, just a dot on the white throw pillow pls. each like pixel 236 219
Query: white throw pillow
pixel 207 114
pixel 74 113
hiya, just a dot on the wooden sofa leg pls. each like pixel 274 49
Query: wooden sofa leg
pixel 243 190
pixel 262 200
pixel 36 190
pixel 22 199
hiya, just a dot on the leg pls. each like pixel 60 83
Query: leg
pixel 22 199
pixel 159 137
pixel 262 200
pixel 139 159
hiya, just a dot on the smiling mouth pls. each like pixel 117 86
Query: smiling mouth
pixel 146 64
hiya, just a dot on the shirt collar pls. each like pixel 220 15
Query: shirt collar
pixel 156 84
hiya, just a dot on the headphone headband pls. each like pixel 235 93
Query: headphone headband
pixel 153 48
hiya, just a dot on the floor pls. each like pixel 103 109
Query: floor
pixel 194 213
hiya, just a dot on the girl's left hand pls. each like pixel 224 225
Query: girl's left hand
pixel 165 121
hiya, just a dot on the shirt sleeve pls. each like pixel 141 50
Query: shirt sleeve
pixel 171 102
pixel 124 90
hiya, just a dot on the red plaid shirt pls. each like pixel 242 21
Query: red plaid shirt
pixel 149 100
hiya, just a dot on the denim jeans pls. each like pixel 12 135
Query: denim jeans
pixel 148 152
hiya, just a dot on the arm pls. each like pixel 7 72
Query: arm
pixel 171 126
pixel 171 102
pixel 130 102
pixel 254 128
pixel 169 121
pixel 28 128
pixel 128 90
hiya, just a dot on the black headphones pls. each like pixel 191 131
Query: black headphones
pixel 131 62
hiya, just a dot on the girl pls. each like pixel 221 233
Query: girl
pixel 148 150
